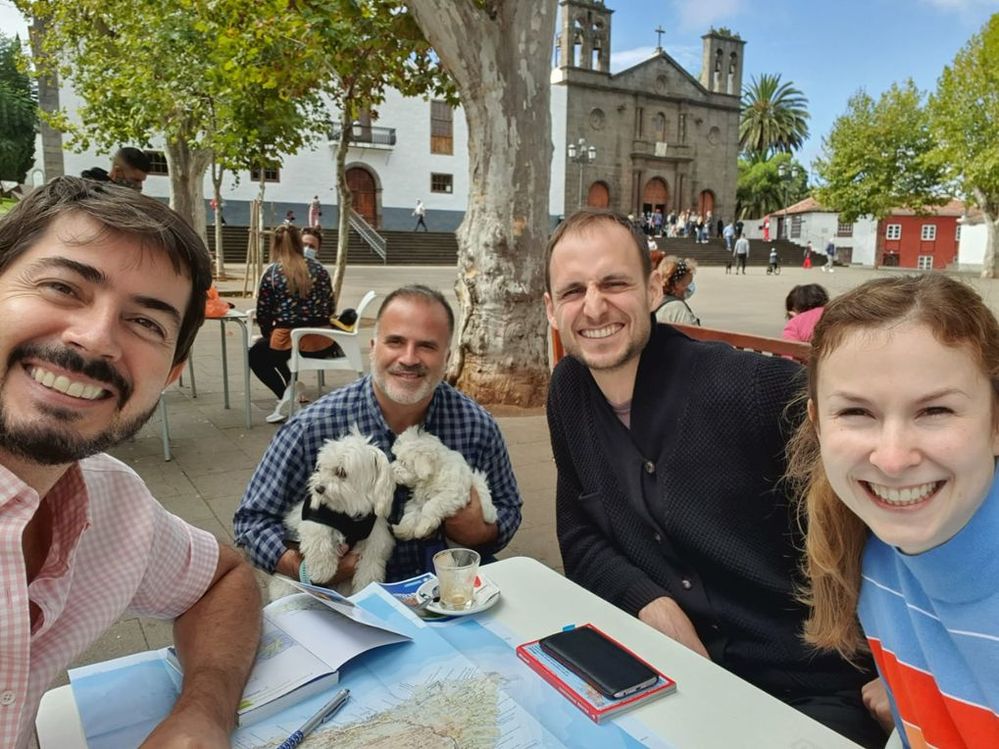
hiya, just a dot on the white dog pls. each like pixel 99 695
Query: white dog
pixel 350 498
pixel 440 479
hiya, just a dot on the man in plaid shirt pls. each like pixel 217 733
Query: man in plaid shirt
pixel 408 355
pixel 102 291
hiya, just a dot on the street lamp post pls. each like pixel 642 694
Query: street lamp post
pixel 580 153
pixel 787 173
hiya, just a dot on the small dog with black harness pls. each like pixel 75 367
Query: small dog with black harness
pixel 349 501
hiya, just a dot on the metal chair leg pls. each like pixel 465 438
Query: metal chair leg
pixel 165 423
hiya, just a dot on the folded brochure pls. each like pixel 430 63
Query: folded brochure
pixel 305 639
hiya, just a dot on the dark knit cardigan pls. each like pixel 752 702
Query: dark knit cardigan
pixel 715 529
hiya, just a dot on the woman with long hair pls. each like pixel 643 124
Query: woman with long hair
pixel 295 292
pixel 678 287
pixel 897 465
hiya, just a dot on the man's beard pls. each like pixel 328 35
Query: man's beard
pixel 42 442
pixel 403 396
pixel 633 349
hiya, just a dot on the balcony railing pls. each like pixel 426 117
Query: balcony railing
pixel 366 135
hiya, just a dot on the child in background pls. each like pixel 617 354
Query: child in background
pixel 897 459
pixel 803 308
pixel 774 263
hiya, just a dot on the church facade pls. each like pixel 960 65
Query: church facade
pixel 660 138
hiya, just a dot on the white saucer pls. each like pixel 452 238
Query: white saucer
pixel 486 594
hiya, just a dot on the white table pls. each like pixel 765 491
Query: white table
pixel 711 708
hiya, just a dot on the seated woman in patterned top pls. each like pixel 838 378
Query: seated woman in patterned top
pixel 295 292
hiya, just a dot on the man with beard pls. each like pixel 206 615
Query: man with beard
pixel 409 352
pixel 102 292
pixel 670 453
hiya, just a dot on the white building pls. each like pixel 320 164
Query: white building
pixel 973 236
pixel 658 138
pixel 807 221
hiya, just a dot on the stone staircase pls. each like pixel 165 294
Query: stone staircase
pixel 714 252
pixel 402 247
pixel 441 248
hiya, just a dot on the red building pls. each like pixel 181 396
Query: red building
pixel 924 242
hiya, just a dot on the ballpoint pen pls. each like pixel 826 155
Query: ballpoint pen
pixel 325 713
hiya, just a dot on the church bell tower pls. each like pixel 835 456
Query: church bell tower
pixel 584 39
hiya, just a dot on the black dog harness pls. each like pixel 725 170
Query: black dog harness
pixel 354 530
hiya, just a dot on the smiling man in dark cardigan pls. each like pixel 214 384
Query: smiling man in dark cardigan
pixel 669 454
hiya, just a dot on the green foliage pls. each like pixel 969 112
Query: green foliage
pixel 774 118
pixel 725 31
pixel 964 118
pixel 223 76
pixel 762 189
pixel 18 114
pixel 876 157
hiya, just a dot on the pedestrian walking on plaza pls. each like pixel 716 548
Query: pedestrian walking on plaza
pixel 830 256
pixel 729 234
pixel 741 254
pixel 808 256
pixel 420 212
pixel 315 211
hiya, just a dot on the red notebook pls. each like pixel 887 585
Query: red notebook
pixel 596 705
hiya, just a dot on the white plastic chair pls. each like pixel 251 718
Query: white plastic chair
pixel 350 343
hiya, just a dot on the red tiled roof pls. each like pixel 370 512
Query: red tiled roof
pixel 953 207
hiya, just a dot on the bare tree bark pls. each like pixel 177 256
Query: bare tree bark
pixel 499 54
pixel 990 213
pixel 217 173
pixel 187 169
pixel 344 198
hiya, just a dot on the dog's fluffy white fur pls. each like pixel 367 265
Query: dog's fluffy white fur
pixel 354 477
pixel 440 480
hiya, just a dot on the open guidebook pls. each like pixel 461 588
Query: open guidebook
pixel 307 637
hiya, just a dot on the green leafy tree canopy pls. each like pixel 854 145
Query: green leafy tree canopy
pixel 762 189
pixel 18 114
pixel 876 156
pixel 964 118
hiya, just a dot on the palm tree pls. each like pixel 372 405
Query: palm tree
pixel 774 118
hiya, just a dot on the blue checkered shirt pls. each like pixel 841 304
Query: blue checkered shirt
pixel 280 479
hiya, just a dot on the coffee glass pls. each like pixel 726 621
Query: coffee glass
pixel 456 572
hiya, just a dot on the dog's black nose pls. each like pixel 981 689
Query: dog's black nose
pixel 320 489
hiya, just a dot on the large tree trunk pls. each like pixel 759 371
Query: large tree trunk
pixel 500 58
pixel 990 212
pixel 345 200
pixel 187 167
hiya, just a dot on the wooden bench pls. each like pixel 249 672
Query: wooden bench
pixel 773 346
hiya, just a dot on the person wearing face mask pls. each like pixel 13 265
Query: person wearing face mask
pixel 129 168
pixel 678 287
pixel 312 240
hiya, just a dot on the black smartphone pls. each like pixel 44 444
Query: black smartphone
pixel 599 661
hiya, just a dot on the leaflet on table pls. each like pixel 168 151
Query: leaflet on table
pixel 596 705
pixel 306 639
pixel 338 602
pixel 303 645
